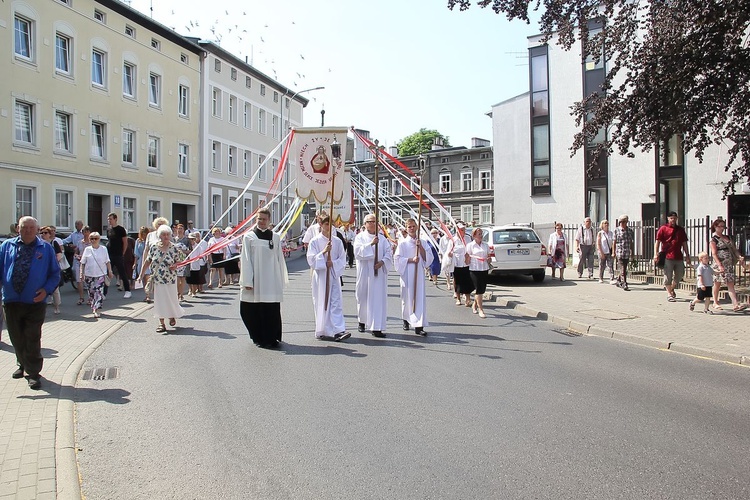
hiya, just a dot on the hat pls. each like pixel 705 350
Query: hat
pixel 624 217
pixel 672 214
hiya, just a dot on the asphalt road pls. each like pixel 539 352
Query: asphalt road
pixel 500 408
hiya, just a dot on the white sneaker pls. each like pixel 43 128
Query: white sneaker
pixel 601 280
pixel 127 295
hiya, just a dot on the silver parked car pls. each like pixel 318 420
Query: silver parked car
pixel 516 250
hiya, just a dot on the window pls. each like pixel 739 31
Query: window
pixel 233 109
pixel 262 89
pixel 62 54
pixel 466 181
pixel 182 159
pixel 262 121
pixel 231 158
pixel 128 80
pixel 485 214
pixel 215 207
pixel 248 82
pixel 23 38
pixel 25 123
pixel 184 58
pixel 246 121
pixel 261 167
pixel 98 67
pixel 183 97
pixel 485 179
pixel 445 183
pixel 539 82
pixel 247 207
pixel 217 65
pixel 129 31
pixel 25 201
pixel 216 102
pixel 154 89
pixel 466 158
pixel 233 74
pixel 62 208
pixel 275 96
pixel 216 156
pixel 444 160
pixel 414 181
pixel 540 155
pixel 467 214
pixel 233 212
pixel 100 16
pixel 383 184
pixel 396 187
pixel 286 102
pixel 128 214
pixel 484 156
pixel 155 44
pixel 154 209
pixel 128 146
pixel 246 164
pixel 62 132
pixel 275 127
pixel 98 140
pixel 153 152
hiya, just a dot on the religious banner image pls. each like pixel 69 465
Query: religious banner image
pixel 314 154
pixel 343 211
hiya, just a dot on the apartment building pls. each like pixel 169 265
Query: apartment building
pixel 245 116
pixel 99 112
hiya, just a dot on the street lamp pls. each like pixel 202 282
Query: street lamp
pixel 288 119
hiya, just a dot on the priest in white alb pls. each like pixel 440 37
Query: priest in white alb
pixel 412 257
pixel 371 290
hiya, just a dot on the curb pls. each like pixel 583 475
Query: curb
pixel 68 479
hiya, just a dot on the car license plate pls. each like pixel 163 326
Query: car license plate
pixel 518 251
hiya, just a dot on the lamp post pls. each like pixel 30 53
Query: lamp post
pixel 281 125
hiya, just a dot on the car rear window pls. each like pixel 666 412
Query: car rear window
pixel 514 236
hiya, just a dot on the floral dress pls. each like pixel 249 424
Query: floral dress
pixel 161 260
pixel 725 253
pixel 558 254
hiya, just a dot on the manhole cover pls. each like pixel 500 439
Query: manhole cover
pixel 101 373
pixel 606 314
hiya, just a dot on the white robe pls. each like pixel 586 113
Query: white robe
pixel 407 249
pixel 372 291
pixel 262 268
pixel 331 321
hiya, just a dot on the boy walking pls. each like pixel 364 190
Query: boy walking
pixel 705 278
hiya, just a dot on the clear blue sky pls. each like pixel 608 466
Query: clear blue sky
pixel 388 66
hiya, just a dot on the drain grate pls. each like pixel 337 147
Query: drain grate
pixel 101 373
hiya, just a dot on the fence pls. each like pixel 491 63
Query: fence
pixel 698 233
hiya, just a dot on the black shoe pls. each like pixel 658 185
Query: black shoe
pixel 326 337
pixel 18 373
pixel 378 334
pixel 361 327
pixel 420 331
pixel 34 382
pixel 406 325
pixel 341 336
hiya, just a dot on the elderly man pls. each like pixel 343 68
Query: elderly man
pixel 76 236
pixel 28 273
pixel 373 253
pixel 585 242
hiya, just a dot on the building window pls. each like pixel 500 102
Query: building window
pixel 485 214
pixel 23 38
pixel 62 54
pixel 100 16
pixel 275 127
pixel 129 31
pixel 396 187
pixel 183 97
pixel 248 82
pixel 246 121
pixel 275 96
pixel 184 58
pixel 444 160
pixel 153 152
pixel 485 179
pixel 233 211
pixel 383 187
pixel 216 102
pixel 216 156
pixel 246 163
pixel 128 214
pixel 62 208
pixel 484 156
pixel 286 102
pixel 217 65
pixel 154 209
pixel 445 182
pixel 25 123
pixel 62 132
pixel 98 140
pixel 215 207
pixel 466 158
pixel 467 214
pixel 261 167
pixel 231 158
pixel 128 80
pixel 155 44
pixel 540 148
pixel 232 109
pixel 25 201
pixel 128 147
pixel 233 74
pixel 414 181
pixel 539 82
pixel 262 89
pixel 182 159
pixel 262 121
pixel 98 67
pixel 466 181
pixel 247 207
pixel 154 89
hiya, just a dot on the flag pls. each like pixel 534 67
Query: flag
pixel 312 157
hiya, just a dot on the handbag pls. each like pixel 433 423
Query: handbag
pixel 107 280
pixel 661 260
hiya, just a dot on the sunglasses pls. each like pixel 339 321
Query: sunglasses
pixel 94 238
pixel 44 232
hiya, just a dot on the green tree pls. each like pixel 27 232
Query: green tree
pixel 677 67
pixel 420 142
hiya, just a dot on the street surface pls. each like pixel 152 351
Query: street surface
pixel 507 407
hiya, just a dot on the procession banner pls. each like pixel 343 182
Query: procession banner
pixel 343 211
pixel 313 163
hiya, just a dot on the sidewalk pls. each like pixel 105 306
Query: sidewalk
pixel 37 439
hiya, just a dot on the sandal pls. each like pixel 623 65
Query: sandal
pixel 161 329
pixel 739 308
pixel 172 322
pixel 692 306
pixel 80 301
pixel 718 308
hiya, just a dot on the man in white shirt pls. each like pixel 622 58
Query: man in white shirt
pixel 585 241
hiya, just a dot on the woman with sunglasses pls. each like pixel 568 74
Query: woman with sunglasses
pixel 95 266
pixel 49 236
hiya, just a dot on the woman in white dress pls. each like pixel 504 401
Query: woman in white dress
pixel 163 258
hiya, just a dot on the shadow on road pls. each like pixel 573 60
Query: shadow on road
pixel 53 390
